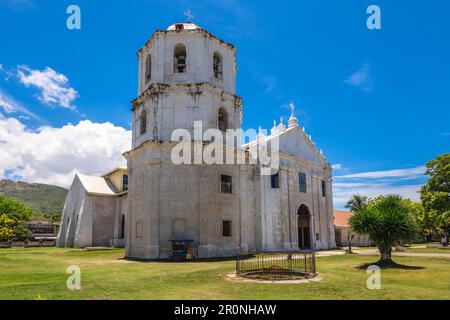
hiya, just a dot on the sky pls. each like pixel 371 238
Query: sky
pixel 376 101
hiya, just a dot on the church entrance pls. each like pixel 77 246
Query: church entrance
pixel 303 218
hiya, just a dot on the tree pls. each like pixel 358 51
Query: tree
pixel 386 220
pixel 22 233
pixel 350 237
pixel 435 195
pixel 426 222
pixel 6 227
pixel 16 214
pixel 14 209
pixel 356 203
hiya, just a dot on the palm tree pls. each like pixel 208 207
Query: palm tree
pixel 356 203
pixel 386 220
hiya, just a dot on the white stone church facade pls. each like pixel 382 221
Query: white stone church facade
pixel 187 74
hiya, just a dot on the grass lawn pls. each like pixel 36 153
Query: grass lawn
pixel 40 272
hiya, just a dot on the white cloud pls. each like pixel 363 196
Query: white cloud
pixel 397 173
pixel 54 87
pixel 10 105
pixel 337 166
pixel 18 4
pixel 6 73
pixel 342 193
pixel 270 83
pixel 53 155
pixel 362 78
pixel 405 182
pixel 5 103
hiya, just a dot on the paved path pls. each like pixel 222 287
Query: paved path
pixel 406 254
pixel 328 253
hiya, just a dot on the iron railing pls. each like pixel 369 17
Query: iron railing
pixel 277 265
pixel 27 244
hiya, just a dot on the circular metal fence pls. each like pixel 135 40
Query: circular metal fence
pixel 277 265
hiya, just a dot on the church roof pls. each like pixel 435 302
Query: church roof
pixel 342 219
pixel 114 170
pixel 294 141
pixel 183 26
pixel 187 26
pixel 97 185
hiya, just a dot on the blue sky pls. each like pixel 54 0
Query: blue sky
pixel 376 101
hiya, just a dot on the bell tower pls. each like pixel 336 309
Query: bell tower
pixel 186 74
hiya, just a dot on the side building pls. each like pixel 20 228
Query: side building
pixel 95 211
pixel 343 231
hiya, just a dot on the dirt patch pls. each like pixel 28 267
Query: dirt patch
pixel 236 278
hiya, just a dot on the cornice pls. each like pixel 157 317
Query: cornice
pixel 189 88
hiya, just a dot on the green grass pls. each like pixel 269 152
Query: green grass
pixel 40 273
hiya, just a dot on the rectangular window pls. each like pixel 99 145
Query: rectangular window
pixel 226 184
pixel 139 229
pixel 302 182
pixel 125 182
pixel 324 189
pixel 275 181
pixel 226 228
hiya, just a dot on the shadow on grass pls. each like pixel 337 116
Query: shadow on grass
pixel 389 265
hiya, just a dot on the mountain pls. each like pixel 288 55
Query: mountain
pixel 41 198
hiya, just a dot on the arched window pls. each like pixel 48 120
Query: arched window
pixel 148 69
pixel 143 122
pixel 179 59
pixel 222 119
pixel 217 66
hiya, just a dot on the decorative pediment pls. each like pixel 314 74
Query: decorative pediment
pixel 295 142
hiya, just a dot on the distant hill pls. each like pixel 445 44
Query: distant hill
pixel 41 198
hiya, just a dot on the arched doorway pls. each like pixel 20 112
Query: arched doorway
pixel 304 233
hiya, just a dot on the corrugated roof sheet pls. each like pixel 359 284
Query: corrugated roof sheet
pixel 97 185
pixel 342 219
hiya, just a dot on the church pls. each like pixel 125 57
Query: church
pixel 188 75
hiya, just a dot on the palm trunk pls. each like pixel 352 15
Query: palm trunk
pixel 386 254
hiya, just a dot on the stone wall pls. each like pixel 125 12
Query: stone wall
pixel 76 219
pixel 200 47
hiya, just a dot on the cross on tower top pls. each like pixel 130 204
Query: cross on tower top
pixel 292 106
pixel 189 15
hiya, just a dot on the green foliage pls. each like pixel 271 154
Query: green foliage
pixel 16 214
pixel 386 220
pixel 427 222
pixel 6 227
pixel 14 209
pixel 22 232
pixel 356 203
pixel 46 201
pixel 417 213
pixel 435 196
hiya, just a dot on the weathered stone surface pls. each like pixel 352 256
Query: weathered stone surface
pixel 167 201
